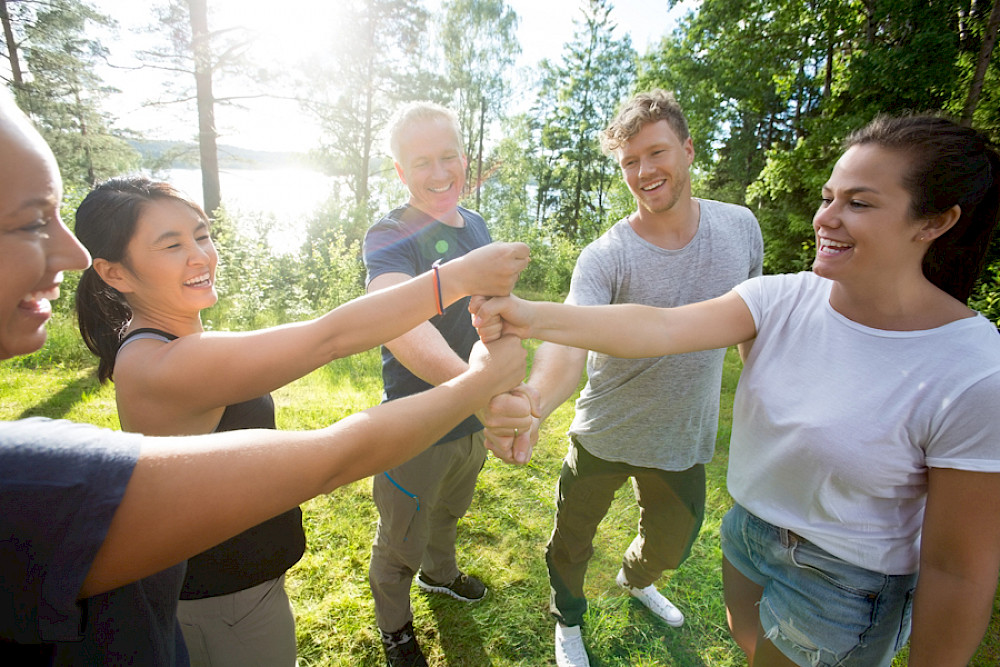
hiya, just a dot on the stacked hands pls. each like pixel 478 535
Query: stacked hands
pixel 511 420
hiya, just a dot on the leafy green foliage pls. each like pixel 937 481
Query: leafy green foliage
pixel 577 98
pixel 479 45
pixel 61 92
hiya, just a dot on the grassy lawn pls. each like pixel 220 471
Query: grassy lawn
pixel 501 540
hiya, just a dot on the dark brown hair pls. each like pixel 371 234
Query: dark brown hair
pixel 949 165
pixel 105 223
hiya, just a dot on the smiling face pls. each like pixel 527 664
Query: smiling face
pixel 169 269
pixel 655 164
pixel 864 226
pixel 35 245
pixel 432 165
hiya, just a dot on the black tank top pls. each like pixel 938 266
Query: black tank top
pixel 259 554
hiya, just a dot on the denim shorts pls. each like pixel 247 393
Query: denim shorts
pixel 817 609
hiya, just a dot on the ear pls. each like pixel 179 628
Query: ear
pixel 113 274
pixel 399 171
pixel 689 150
pixel 933 228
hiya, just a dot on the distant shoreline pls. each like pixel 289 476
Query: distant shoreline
pixel 165 154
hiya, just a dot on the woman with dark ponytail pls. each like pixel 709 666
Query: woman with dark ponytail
pixel 95 524
pixel 110 217
pixel 139 308
pixel 865 454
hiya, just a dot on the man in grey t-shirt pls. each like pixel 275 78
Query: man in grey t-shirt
pixel 653 420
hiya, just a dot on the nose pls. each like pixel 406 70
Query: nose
pixel 826 216
pixel 644 167
pixel 65 252
pixel 440 169
pixel 202 254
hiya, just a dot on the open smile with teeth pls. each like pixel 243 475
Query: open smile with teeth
pixel 40 300
pixel 833 247
pixel 651 186
pixel 201 281
pixel 441 190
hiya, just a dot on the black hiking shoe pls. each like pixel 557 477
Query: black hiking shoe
pixel 464 587
pixel 401 648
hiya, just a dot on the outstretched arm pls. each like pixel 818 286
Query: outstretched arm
pixel 189 493
pixel 621 330
pixel 959 561
pixel 210 370
pixel 555 375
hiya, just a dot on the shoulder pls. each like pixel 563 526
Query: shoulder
pixel 393 222
pixel 725 209
pixel 729 215
pixel 475 224
pixel 616 236
pixel 47 449
pixel 394 234
pixel 783 289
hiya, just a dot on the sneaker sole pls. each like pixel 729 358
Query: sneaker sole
pixel 444 590
pixel 627 589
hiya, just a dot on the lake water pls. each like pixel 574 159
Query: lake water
pixel 290 195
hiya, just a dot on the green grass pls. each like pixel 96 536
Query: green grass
pixel 501 540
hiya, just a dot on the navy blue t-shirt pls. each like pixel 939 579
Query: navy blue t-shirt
pixel 60 485
pixel 408 241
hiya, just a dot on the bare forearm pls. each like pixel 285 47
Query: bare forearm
pixel 187 494
pixel 950 616
pixel 600 328
pixel 621 330
pixel 424 352
pixel 555 373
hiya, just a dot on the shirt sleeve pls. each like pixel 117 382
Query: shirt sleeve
pixel 60 485
pixel 756 248
pixel 387 250
pixel 591 282
pixel 965 433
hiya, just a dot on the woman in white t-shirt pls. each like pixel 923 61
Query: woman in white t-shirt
pixel 865 457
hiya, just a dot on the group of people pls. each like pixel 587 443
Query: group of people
pixel 864 459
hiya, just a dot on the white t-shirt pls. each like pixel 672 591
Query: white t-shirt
pixel 835 424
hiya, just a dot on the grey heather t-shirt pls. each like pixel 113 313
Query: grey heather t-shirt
pixel 660 412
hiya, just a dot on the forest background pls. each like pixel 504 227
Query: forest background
pixel 770 89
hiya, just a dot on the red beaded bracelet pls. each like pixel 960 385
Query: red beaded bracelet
pixel 436 266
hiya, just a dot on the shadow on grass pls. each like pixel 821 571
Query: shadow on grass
pixel 59 404
pixel 458 632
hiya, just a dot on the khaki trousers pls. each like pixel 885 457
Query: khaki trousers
pixel 419 505
pixel 252 627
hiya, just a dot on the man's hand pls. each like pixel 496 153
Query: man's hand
pixel 511 422
pixel 491 270
pixel 501 316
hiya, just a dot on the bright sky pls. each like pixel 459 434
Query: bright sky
pixel 302 28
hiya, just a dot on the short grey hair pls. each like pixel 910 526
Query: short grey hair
pixel 415 112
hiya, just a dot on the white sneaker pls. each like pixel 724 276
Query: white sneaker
pixel 654 601
pixel 569 647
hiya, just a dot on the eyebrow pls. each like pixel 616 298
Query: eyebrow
pixel 36 202
pixel 174 234
pixel 856 190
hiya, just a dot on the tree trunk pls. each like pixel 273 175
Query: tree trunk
pixel 479 157
pixel 81 117
pixel 8 35
pixel 976 88
pixel 207 135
